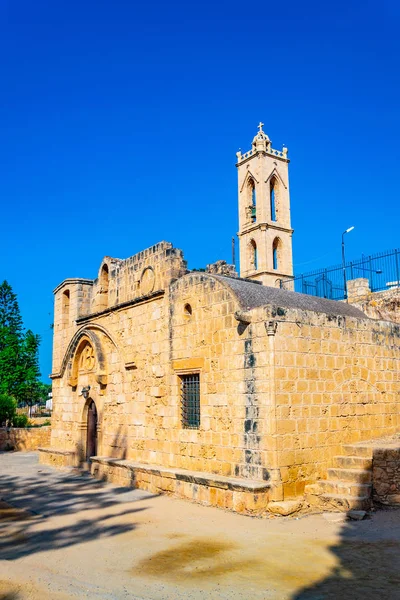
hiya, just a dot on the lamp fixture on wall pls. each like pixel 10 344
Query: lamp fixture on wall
pixel 85 391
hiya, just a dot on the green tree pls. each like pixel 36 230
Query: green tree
pixel 44 390
pixel 28 389
pixel 11 334
pixel 7 409
pixel 19 352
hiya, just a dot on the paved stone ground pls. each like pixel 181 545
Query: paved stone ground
pixel 64 535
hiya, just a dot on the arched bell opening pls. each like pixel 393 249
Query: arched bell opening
pixel 252 200
pixel 253 255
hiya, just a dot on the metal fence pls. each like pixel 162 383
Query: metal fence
pixel 37 410
pixel 382 270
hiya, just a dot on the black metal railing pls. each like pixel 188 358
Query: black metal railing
pixel 382 270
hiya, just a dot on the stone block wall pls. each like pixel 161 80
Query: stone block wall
pixel 134 347
pixel 251 498
pixel 125 282
pixel 336 382
pixel 24 439
pixel 232 437
pixel 386 475
pixel 377 305
pixel 282 389
pixel 150 346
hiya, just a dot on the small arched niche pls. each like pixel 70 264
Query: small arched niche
pixel 187 310
pixel 65 306
pixel 102 296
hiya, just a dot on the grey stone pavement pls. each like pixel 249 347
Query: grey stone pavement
pixel 65 535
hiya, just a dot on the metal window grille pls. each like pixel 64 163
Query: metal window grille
pixel 190 398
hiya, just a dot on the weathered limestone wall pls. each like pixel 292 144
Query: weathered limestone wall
pixel 232 438
pixel 377 305
pixel 119 283
pixel 133 341
pixel 386 475
pixel 337 382
pixel 104 340
pixel 239 495
pixel 25 439
pixel 281 389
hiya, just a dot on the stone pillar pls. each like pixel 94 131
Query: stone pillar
pixel 358 288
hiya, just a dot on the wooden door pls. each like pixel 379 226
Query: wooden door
pixel 91 444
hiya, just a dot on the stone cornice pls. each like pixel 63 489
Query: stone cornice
pixel 121 306
pixel 258 225
pixel 277 274
pixel 246 156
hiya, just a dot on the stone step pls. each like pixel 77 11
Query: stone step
pixel 313 488
pixel 354 450
pixel 353 462
pixel 343 503
pixel 344 488
pixel 353 475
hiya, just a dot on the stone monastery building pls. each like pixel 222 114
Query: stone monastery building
pixel 223 389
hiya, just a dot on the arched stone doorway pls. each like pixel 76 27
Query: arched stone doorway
pixel 91 434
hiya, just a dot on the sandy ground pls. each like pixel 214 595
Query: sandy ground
pixel 64 535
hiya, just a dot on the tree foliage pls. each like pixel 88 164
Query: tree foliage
pixel 20 421
pixel 19 352
pixel 7 409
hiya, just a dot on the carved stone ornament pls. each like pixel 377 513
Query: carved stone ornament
pixel 147 281
pixel 87 360
pixel 271 327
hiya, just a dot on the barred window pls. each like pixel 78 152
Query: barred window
pixel 190 400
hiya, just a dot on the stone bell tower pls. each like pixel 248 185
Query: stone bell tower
pixel 265 234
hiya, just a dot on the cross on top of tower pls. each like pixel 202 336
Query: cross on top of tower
pixel 261 137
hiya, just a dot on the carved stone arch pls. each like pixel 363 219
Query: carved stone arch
pixel 355 385
pixel 87 337
pixel 275 174
pixel 86 354
pixel 249 175
pixel 275 185
pixel 347 375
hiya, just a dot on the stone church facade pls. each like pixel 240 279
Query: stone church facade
pixel 222 389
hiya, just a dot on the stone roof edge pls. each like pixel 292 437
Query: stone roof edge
pixel 361 316
pixel 72 281
pixel 218 278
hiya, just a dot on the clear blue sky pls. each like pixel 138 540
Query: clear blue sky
pixel 120 122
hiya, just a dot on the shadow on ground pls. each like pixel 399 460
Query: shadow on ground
pixel 368 562
pixel 27 524
pixel 9 596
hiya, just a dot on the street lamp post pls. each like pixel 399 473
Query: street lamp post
pixel 344 262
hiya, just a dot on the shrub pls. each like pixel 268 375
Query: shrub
pixel 20 421
pixel 8 407
pixel 46 423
